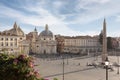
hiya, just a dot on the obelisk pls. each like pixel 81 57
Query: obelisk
pixel 104 50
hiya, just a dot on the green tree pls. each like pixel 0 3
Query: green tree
pixel 17 68
pixel 115 43
pixel 101 38
pixel 109 43
pixel 55 79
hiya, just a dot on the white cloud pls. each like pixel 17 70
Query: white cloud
pixel 114 33
pixel 96 1
pixel 4 27
pixel 117 18
pixel 44 17
pixel 58 22
pixel 8 12
pixel 58 4
pixel 93 12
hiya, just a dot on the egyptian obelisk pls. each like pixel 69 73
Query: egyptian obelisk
pixel 104 50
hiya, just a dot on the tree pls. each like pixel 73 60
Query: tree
pixel 115 43
pixel 17 68
pixel 109 43
pixel 55 79
pixel 101 38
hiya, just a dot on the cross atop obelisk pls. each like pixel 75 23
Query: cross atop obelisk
pixel 104 52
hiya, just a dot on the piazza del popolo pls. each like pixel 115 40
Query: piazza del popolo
pixel 45 42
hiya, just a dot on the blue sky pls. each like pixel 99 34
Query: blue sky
pixel 65 17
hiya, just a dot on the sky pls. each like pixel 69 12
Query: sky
pixel 64 17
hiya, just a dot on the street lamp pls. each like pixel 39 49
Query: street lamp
pixel 118 65
pixel 63 64
pixel 63 68
pixel 67 58
pixel 106 65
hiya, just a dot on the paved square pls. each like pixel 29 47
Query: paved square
pixel 76 69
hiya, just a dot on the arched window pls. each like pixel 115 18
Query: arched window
pixel 44 51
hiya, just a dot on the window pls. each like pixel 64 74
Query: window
pixel 6 44
pixel 11 39
pixel 15 44
pixel 11 49
pixel 37 46
pixel 1 38
pixel 6 39
pixel 11 44
pixel 16 39
pixel 2 44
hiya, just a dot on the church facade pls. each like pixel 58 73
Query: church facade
pixel 11 41
pixel 16 41
pixel 44 43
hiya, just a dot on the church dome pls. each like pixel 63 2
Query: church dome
pixel 46 32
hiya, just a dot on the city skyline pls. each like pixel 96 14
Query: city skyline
pixel 65 17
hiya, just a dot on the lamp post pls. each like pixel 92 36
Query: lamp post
pixel 106 65
pixel 118 65
pixel 67 58
pixel 63 66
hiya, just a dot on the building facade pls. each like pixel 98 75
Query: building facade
pixel 11 40
pixel 60 43
pixel 16 41
pixel 44 43
pixel 80 44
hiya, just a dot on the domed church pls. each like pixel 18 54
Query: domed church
pixel 45 42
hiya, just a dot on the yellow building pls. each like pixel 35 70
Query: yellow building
pixel 80 44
